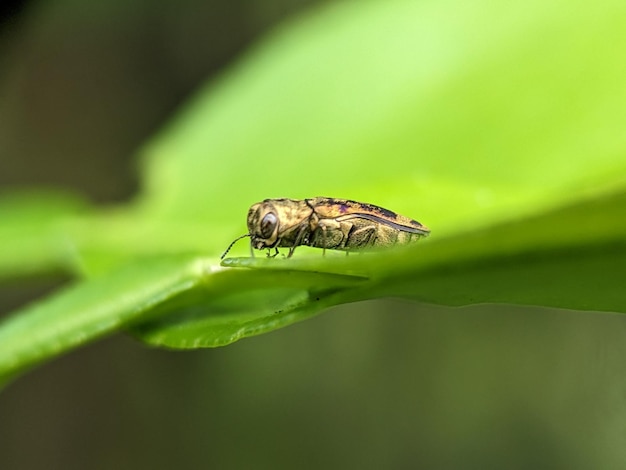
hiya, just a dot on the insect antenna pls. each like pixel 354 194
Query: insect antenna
pixel 233 242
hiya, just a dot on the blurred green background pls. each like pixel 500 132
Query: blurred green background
pixel 381 384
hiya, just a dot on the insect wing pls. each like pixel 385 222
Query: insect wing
pixel 345 209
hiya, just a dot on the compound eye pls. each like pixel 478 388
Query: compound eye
pixel 268 224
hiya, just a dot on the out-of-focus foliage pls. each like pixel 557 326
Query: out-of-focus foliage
pixel 498 126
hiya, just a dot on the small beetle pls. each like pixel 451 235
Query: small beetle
pixel 327 223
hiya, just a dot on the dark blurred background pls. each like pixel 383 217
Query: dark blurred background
pixel 84 85
pixel 386 384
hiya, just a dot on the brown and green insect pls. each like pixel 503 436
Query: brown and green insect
pixel 327 223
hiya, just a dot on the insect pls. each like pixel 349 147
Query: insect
pixel 327 223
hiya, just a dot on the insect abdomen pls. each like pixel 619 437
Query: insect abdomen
pixel 357 233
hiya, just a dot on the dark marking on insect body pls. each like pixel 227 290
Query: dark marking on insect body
pixel 327 223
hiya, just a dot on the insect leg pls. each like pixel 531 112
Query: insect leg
pixel 373 237
pixel 298 240
pixel 269 252
pixel 329 235
pixel 362 237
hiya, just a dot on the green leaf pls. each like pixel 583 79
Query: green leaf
pixel 32 238
pixel 162 299
pixel 462 116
